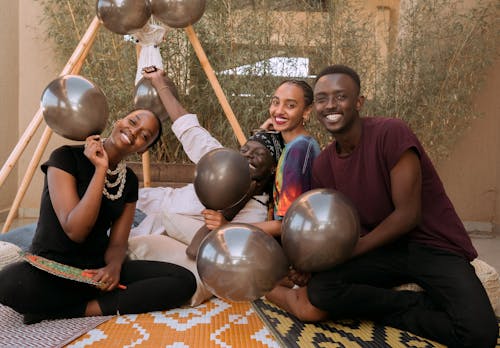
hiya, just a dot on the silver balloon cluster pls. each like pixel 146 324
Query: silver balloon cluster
pixel 74 107
pixel 128 16
pixel 240 262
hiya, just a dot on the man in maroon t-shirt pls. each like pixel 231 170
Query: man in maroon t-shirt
pixel 410 231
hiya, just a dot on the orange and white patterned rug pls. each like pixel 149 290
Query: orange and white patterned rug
pixel 215 323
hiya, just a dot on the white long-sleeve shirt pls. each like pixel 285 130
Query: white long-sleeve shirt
pixel 177 211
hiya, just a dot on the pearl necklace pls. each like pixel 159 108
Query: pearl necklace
pixel 121 171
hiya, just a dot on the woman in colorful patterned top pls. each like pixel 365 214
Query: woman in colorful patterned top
pixel 290 108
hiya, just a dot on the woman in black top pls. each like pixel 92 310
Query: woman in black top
pixel 87 208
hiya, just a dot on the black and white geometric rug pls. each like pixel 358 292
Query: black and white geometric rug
pixel 290 332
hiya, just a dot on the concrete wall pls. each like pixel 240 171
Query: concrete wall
pixel 471 173
pixel 9 87
pixel 32 69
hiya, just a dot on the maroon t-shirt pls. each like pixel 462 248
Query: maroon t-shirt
pixel 364 176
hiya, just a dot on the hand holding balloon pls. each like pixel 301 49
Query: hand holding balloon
pixel 159 79
pixel 154 75
pixel 94 151
pixel 213 219
pixel 147 89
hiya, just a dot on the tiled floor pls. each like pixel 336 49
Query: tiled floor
pixel 488 247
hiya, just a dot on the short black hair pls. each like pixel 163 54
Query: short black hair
pixel 306 88
pixel 340 69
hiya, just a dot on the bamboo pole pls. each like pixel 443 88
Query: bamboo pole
pixel 27 178
pixel 193 38
pixel 73 66
pixel 83 47
pixel 146 169
pixel 146 157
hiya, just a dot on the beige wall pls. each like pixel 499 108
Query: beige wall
pixel 471 173
pixel 9 87
pixel 35 53
pixel 26 68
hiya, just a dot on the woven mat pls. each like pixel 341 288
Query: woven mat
pixel 290 332
pixel 215 323
pixel 54 333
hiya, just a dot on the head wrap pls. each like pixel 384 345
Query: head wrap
pixel 273 141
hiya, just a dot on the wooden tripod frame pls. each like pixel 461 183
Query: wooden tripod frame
pixel 73 66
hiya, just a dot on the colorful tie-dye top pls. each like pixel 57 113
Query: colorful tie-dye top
pixel 293 173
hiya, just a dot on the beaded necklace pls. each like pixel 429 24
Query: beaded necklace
pixel 121 177
pixel 121 172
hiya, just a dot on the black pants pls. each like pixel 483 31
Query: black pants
pixel 151 286
pixel 453 310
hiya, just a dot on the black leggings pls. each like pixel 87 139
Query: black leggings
pixel 151 286
pixel 454 309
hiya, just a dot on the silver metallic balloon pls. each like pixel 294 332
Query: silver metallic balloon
pixel 240 262
pixel 146 97
pixel 222 178
pixel 124 16
pixel 74 107
pixel 178 13
pixel 319 230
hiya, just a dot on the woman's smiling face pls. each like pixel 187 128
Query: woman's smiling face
pixel 136 131
pixel 288 108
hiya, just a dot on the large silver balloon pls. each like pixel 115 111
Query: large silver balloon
pixel 240 262
pixel 74 107
pixel 222 178
pixel 124 16
pixel 146 97
pixel 319 230
pixel 178 13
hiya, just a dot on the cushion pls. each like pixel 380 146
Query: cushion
pixel 20 236
pixel 167 249
pixel 181 227
pixel 487 275
pixel 491 282
pixel 9 253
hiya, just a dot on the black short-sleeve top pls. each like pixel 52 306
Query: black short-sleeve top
pixel 51 241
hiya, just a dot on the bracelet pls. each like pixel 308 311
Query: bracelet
pixel 163 87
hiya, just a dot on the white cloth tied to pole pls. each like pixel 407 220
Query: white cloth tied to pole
pixel 149 38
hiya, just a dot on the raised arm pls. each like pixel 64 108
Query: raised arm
pixel 406 183
pixel 170 102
